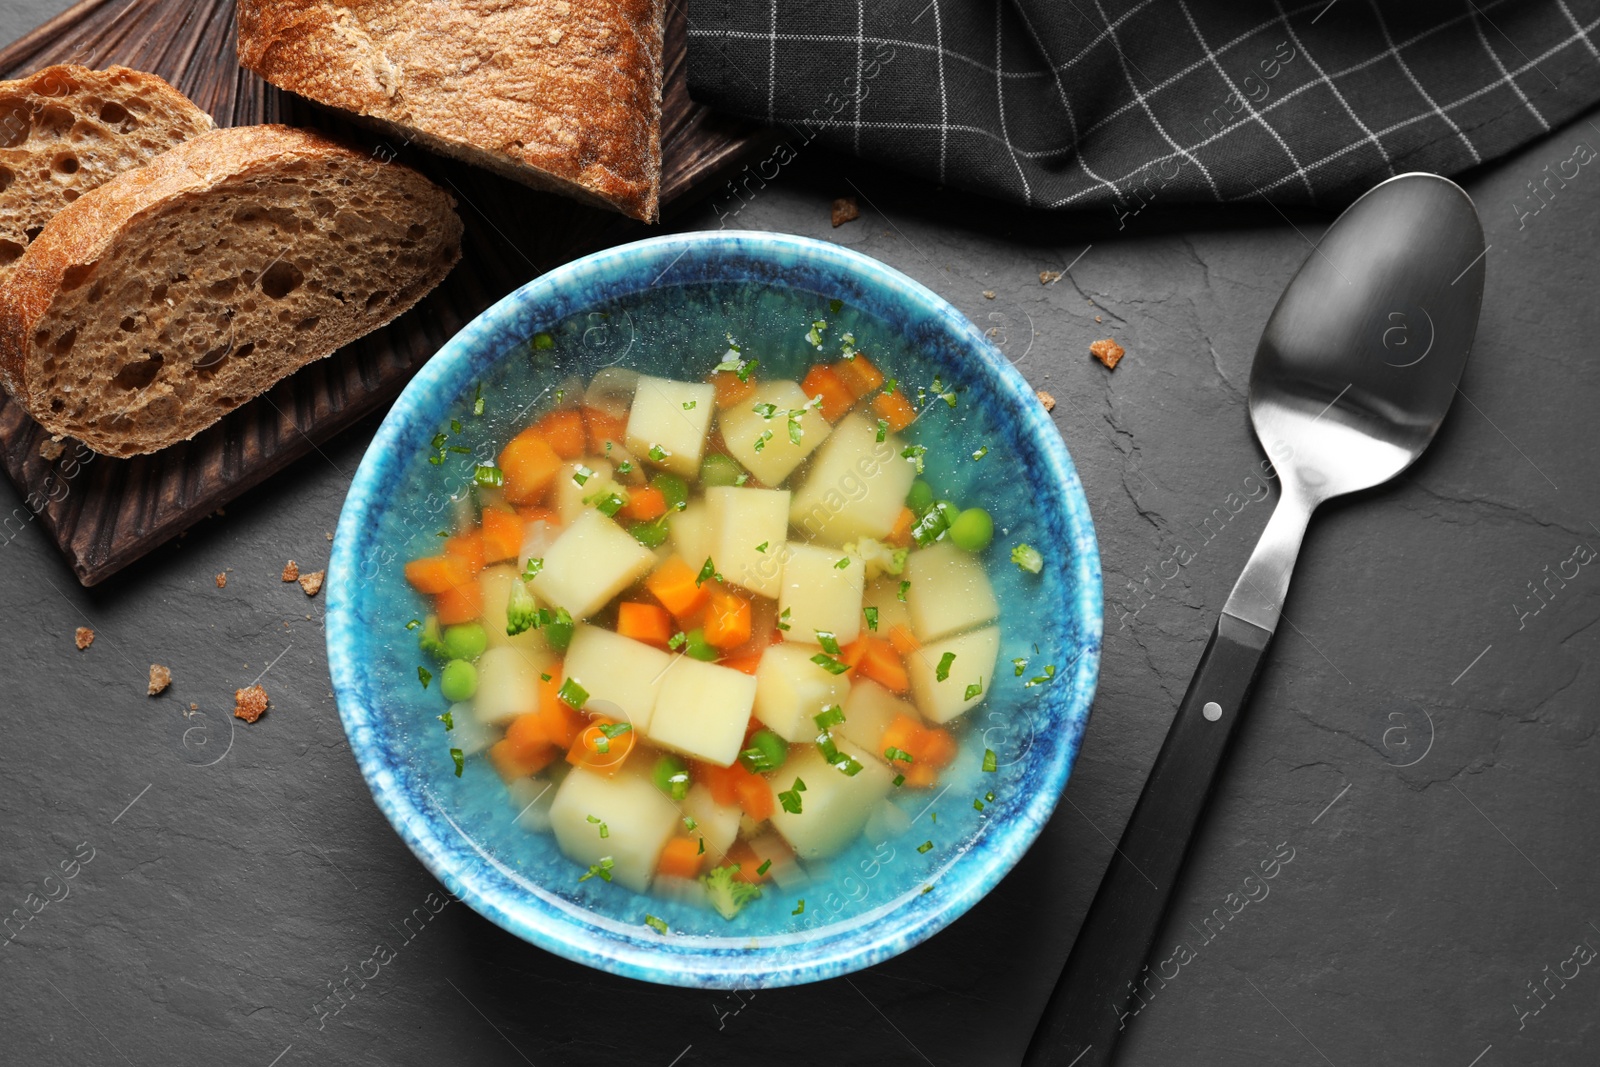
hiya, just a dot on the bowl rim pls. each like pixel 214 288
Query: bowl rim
pixel 969 877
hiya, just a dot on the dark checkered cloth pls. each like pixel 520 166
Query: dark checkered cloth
pixel 1085 103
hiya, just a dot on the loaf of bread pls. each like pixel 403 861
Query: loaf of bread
pixel 557 94
pixel 66 129
pixel 152 305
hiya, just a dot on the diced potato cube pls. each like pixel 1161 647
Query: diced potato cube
pixel 884 594
pixel 671 419
pixel 496 584
pixel 855 487
pixel 717 823
pixel 835 806
pixel 790 690
pixel 622 676
pixel 592 561
pixel 975 656
pixel 531 798
pixel 583 480
pixel 743 426
pixel 818 594
pixel 868 711
pixel 467 733
pixel 702 710
pixel 690 531
pixel 508 683
pixel 748 530
pixel 949 592
pixel 638 821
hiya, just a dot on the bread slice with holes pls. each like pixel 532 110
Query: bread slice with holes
pixel 66 129
pixel 170 295
pixel 562 95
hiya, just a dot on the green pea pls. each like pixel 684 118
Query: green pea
pixel 972 530
pixel 674 488
pixel 696 645
pixel 652 534
pixel 717 469
pixel 920 499
pixel 458 681
pixel 765 752
pixel 671 776
pixel 465 640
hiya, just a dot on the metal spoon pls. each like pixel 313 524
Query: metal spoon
pixel 1353 375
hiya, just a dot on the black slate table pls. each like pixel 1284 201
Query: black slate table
pixel 1417 771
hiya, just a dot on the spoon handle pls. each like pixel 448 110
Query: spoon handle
pixel 1102 986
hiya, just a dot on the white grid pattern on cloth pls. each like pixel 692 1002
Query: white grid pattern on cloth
pixel 1126 132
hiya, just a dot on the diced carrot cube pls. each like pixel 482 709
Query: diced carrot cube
pixel 903 733
pixel 644 504
pixel 858 374
pixel 527 733
pixel 460 603
pixel 528 465
pixel 561 722
pixel 595 751
pixel 755 796
pixel 673 583
pixel 565 431
pixel 502 535
pixel 603 426
pixel 921 775
pixel 900 533
pixel 727 623
pixel 649 623
pixel 723 782
pixel 837 399
pixel 938 747
pixel 902 640
pixel 894 409
pixel 435 574
pixel 680 857
pixel 745 664
pixel 469 547
pixel 730 390
pixel 852 654
pixel 513 763
pixel 883 665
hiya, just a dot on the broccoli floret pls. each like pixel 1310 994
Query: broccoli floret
pixel 879 557
pixel 431 640
pixel 727 895
pixel 522 611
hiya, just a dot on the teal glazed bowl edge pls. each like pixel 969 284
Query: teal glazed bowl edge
pixel 415 797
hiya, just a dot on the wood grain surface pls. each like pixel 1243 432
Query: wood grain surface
pixel 105 513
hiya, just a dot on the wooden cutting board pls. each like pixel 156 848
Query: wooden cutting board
pixel 105 513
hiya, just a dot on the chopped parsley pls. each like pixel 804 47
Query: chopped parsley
pixel 614 730
pixel 625 467
pixel 834 306
pixel 609 504
pixel 708 570
pixel 977 805
pixel 737 366
pixel 572 694
pixel 1043 679
pixel 915 454
pixel 604 830
pixel 989 796
pixel 828 663
pixel 902 594
pixel 899 780
pixel 689 823
pixel 892 753
pixel 761 442
pixel 1028 558
pixel 488 476
pixel 814 335
pixel 872 618
pixel 424 675
pixel 675 642
pixel 765 864
pixel 830 718
pixel 658 925
pixel 829 642
pixel 883 429
pixel 689 405
pixel 1019 665
pixel 413 624
pixel 980 452
pixel 790 798
pixel 543 340
pixel 942 671
pixel 477 400
pixel 449 721
pixel 843 564
pixel 783 619
pixel 990 763
pixel 581 475
pixel 657 453
pixel 765 410
pixel 762 547
pixel 455 425
pixel 925 846
pixel 603 869
pixel 800 907
pixel 843 762
pixel 974 690
pixel 460 759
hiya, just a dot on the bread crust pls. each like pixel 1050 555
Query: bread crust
pixel 562 95
pixel 70 246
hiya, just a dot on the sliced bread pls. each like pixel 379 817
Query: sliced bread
pixel 176 291
pixel 66 129
pixel 557 94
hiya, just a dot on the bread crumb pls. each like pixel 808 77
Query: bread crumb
pixel 330 537
pixel 248 704
pixel 160 678
pixel 291 571
pixel 1097 318
pixel 845 209
pixel 50 449
pixel 988 294
pixel 312 583
pixel 1048 276
pixel 1046 399
pixel 1108 352
pixel 83 638
pixel 194 707
pixel 222 581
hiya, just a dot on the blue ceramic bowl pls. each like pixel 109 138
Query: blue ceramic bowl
pixel 663 306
